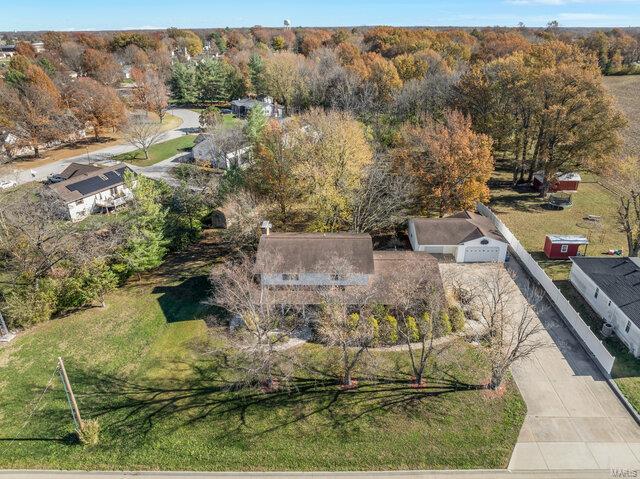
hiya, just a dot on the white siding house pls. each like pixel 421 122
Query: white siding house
pixel 89 189
pixel 611 286
pixel 468 237
pixel 206 151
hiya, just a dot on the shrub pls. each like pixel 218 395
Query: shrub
pixel 390 329
pixel 442 326
pixel 89 433
pixel 412 329
pixel 456 316
pixel 375 326
pixel 31 305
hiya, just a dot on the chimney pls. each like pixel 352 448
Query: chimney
pixel 266 227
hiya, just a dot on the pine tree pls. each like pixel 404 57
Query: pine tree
pixel 182 83
pixel 256 73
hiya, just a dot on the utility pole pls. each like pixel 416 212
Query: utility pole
pixel 75 411
pixel 5 335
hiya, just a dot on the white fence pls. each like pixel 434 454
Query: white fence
pixel 571 316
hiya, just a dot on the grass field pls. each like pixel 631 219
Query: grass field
pixel 626 90
pixel 141 367
pixel 159 151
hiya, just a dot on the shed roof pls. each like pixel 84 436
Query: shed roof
pixel 618 278
pixel 568 239
pixel 454 230
pixel 87 184
pixel 309 252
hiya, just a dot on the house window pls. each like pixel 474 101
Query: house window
pixel 114 191
pixel 564 248
pixel 338 277
pixel 290 277
pixel 626 330
pixel 597 292
pixel 80 202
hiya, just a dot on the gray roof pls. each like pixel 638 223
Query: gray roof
pixel 88 184
pixel 618 278
pixel 248 102
pixel 308 252
pixel 454 230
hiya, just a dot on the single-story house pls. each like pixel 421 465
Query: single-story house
pixel 90 189
pixel 242 107
pixel 562 182
pixel 306 262
pixel 7 51
pixel 563 246
pixel 467 236
pixel 205 151
pixel 611 286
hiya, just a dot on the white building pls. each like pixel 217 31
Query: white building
pixel 611 286
pixel 242 107
pixel 88 189
pixel 205 150
pixel 467 236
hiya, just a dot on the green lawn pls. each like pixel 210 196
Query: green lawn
pixel 141 367
pixel 525 216
pixel 159 151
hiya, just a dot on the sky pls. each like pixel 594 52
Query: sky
pixel 154 14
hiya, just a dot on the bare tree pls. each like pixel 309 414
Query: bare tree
pixel 383 199
pixel 344 321
pixel 243 214
pixel 143 133
pixel 416 300
pixel 510 329
pixel 225 145
pixel 263 317
pixel 624 182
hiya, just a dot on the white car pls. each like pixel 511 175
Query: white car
pixel 6 184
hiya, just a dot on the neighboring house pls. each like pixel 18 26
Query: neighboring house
pixel 563 246
pixel 206 151
pixel 90 189
pixel 611 286
pixel 38 46
pixel 562 182
pixel 7 51
pixel 241 108
pixel 468 237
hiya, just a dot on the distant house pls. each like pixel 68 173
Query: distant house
pixel 562 182
pixel 206 151
pixel 38 46
pixel 7 51
pixel 242 107
pixel 468 237
pixel 89 189
pixel 563 246
pixel 611 286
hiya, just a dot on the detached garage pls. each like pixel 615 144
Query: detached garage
pixel 467 237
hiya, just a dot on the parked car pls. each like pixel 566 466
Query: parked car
pixel 54 178
pixel 6 184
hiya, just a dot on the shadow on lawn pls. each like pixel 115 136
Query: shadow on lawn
pixel 133 408
pixel 520 201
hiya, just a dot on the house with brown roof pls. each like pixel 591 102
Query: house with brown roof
pixel 467 237
pixel 307 262
pixel 88 188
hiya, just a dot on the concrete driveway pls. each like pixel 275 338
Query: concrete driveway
pixel 190 124
pixel 574 420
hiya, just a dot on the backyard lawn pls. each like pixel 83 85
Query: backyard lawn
pixel 159 151
pixel 143 366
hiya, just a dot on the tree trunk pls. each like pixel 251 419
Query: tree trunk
pixel 36 151
pixel 496 379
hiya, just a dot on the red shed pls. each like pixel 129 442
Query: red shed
pixel 562 182
pixel 563 246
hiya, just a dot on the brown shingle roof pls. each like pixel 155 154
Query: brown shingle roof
pixel 307 252
pixel 75 169
pixel 453 230
pixel 88 184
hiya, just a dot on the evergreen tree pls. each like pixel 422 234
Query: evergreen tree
pixel 183 84
pixel 212 81
pixel 256 122
pixel 256 73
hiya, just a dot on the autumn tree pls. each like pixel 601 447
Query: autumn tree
pixel 150 92
pixel 95 104
pixel 101 66
pixel 335 153
pixel 450 163
pixel 276 171
pixel 283 78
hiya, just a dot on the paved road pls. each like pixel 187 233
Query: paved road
pixel 574 420
pixel 482 474
pixel 190 124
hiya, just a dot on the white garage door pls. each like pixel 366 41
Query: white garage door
pixel 481 254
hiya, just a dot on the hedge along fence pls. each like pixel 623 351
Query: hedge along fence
pixel 570 315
